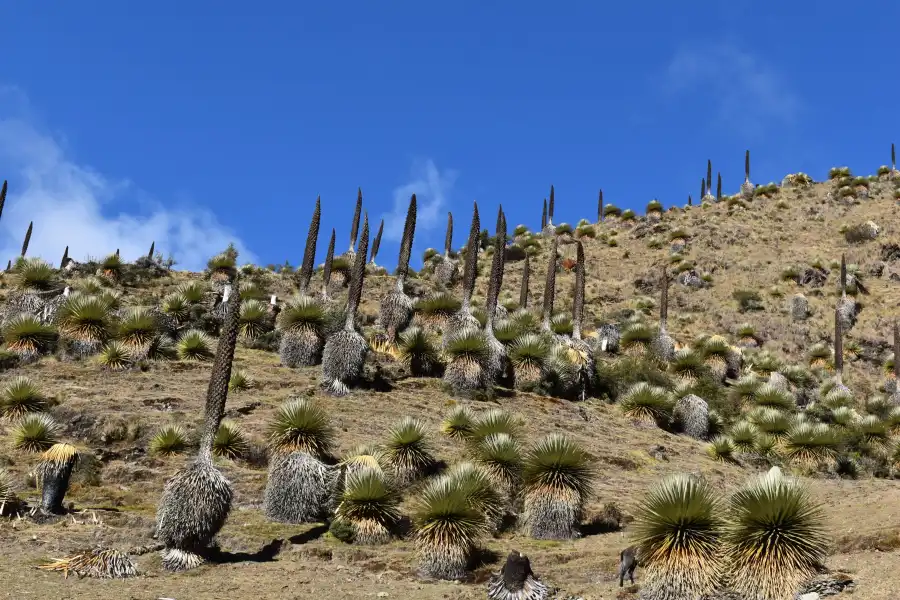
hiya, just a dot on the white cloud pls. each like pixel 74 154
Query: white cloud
pixel 747 94
pixel 73 205
pixel 432 189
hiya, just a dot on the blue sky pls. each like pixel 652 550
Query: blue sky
pixel 196 123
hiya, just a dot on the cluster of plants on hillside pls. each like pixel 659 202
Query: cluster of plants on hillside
pixel 747 404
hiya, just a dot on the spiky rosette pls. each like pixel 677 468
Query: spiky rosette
pixel 301 425
pixel 743 435
pixel 469 356
pixel 369 505
pixel 516 581
pixel 418 352
pixel 501 457
pixel 528 356
pixel 408 452
pixel 447 527
pixel 810 445
pixel 98 563
pixel 647 403
pixel 637 339
pixel 481 491
pixel 556 482
pixel 136 330
pixel 717 353
pixel 87 321
pixel 459 423
pixel 677 529
pixel 300 488
pixel 364 457
pixel 775 537
pixel 687 365
pixel 28 337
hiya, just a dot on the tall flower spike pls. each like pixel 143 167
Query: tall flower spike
pixel 326 270
pixel 550 207
pixel 471 269
pixel 152 249
pixel 354 226
pixel 3 195
pixel 747 165
pixel 65 258
pixel 600 207
pixel 526 274
pixel 117 253
pixel 578 301
pixel 27 238
pixel 309 253
pixel 838 348
pixel 896 351
pixel 702 189
pixel 448 240
pixel 709 176
pixel 550 285
pixel 893 160
pixel 217 392
pixel 406 242
pixel 497 265
pixel 663 300
pixel 690 200
pixel 843 276
pixel 357 275
pixel 544 216
pixel 719 188
pixel 376 243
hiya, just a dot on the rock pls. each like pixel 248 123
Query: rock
pixel 799 308
pixel 809 596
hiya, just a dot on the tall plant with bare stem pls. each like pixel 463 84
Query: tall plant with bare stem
pixel 27 238
pixel 747 187
pixel 309 252
pixel 326 268
pixel 196 501
pixel 707 196
pixel 600 206
pixel 551 205
pixel 523 291
pixel 448 269
pixel 580 353
pixel 354 225
pixel 397 307
pixel 499 362
pixel 550 287
pixel 464 318
pixel 376 244
pixel 664 345
pixel 544 216
pixel 345 350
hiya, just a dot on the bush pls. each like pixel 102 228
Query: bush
pixel 747 300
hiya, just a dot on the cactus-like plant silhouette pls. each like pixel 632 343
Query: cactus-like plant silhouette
pixel 354 225
pixel 329 261
pixel 550 286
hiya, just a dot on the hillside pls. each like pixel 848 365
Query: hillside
pixel 750 259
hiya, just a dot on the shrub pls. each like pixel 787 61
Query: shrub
pixel 747 300
pixel 230 441
pixel 644 402
pixel 195 345
pixel 35 432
